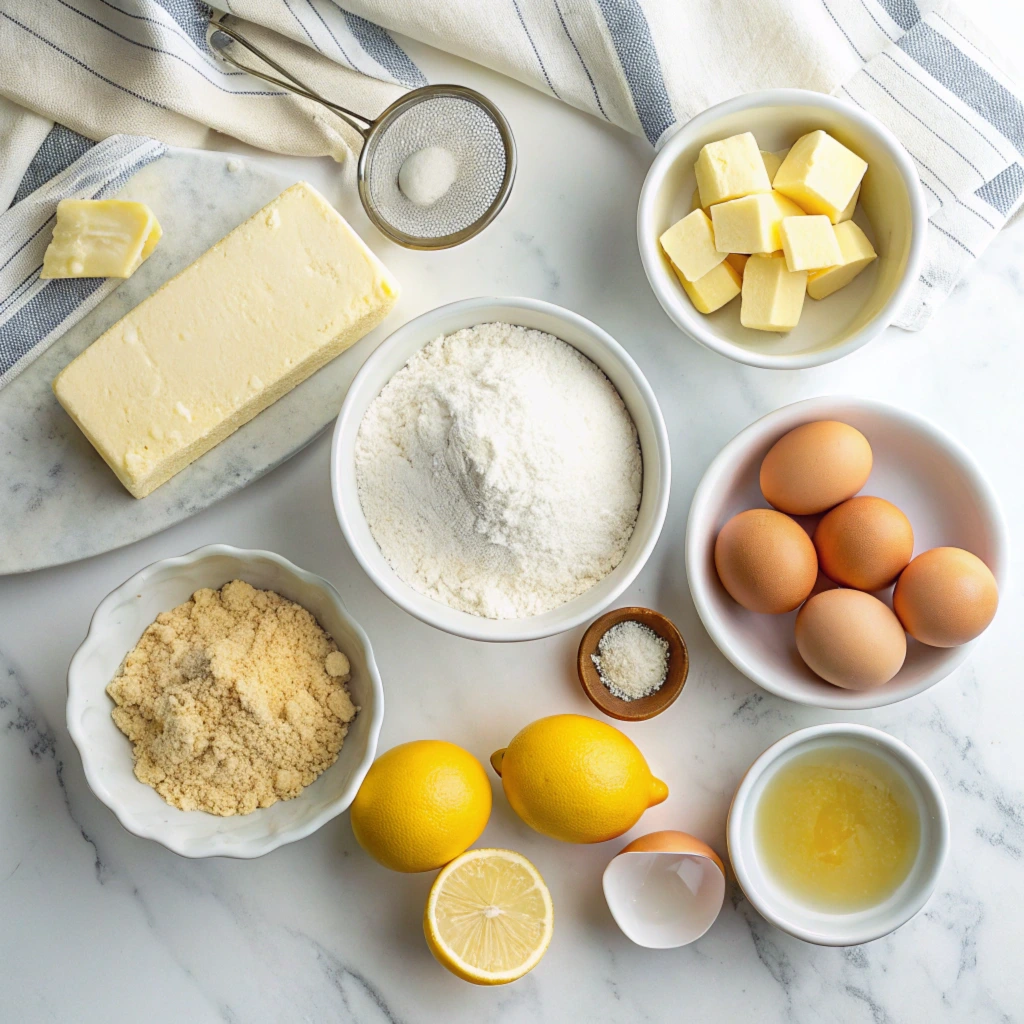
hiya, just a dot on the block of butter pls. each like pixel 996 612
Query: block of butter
pixel 273 301
pixel 751 224
pixel 729 169
pixel 855 253
pixel 820 175
pixel 773 296
pixel 690 246
pixel 714 289
pixel 100 238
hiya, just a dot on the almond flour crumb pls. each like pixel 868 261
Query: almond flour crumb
pixel 233 700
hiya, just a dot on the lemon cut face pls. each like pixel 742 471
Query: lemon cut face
pixel 489 917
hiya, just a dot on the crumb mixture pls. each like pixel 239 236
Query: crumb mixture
pixel 233 700
pixel 632 660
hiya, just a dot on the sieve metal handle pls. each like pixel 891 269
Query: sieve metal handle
pixel 290 83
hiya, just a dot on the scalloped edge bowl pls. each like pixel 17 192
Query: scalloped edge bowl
pixel 106 752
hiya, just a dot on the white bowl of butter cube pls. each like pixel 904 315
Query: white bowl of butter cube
pixel 783 229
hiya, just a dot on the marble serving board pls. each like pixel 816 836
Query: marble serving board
pixel 59 501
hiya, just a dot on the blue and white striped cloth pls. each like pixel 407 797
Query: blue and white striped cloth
pixel 33 312
pixel 101 67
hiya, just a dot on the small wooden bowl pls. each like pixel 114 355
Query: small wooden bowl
pixel 646 707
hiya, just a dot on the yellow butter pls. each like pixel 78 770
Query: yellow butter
pixel 809 242
pixel 772 295
pixel 690 245
pixel 738 261
pixel 729 169
pixel 773 161
pixel 100 238
pixel 714 289
pixel 856 252
pixel 270 303
pixel 851 206
pixel 751 224
pixel 820 175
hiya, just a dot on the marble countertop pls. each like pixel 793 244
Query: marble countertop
pixel 101 926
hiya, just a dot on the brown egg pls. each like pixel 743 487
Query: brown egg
pixel 765 561
pixel 850 639
pixel 814 467
pixel 864 543
pixel 946 597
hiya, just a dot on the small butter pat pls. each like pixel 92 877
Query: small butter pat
pixel 855 253
pixel 809 243
pixel 751 224
pixel 100 238
pixel 773 295
pixel 270 303
pixel 690 245
pixel 820 175
pixel 714 289
pixel 729 169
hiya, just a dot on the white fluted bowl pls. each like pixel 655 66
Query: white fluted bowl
pixel 116 627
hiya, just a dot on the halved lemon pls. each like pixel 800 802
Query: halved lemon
pixel 489 917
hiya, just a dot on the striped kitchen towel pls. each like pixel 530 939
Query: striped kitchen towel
pixel 144 66
pixel 33 312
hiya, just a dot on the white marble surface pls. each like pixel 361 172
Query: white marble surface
pixel 100 926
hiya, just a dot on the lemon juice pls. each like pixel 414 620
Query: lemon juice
pixel 838 829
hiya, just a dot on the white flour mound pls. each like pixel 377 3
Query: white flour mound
pixel 499 472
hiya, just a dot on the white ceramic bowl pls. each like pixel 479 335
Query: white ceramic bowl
pixel 835 929
pixel 116 626
pixel 920 469
pixel 891 198
pixel 597 346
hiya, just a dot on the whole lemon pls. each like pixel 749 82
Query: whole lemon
pixel 421 805
pixel 577 779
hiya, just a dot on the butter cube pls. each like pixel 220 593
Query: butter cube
pixel 820 175
pixel 809 243
pixel 773 161
pixel 100 238
pixel 690 245
pixel 773 295
pixel 751 224
pixel 729 169
pixel 855 252
pixel 714 289
pixel 738 261
pixel 851 206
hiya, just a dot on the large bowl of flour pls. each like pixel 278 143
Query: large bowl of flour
pixel 500 468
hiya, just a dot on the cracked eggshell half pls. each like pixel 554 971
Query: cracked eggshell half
pixel 665 889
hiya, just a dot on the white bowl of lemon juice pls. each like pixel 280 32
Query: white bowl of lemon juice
pixel 837 834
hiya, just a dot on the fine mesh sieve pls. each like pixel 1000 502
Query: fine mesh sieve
pixel 452 117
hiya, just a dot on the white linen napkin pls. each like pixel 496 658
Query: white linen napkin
pixel 144 66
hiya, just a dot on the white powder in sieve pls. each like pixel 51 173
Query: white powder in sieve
pixel 632 660
pixel 499 472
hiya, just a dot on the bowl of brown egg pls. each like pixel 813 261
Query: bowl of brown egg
pixel 844 553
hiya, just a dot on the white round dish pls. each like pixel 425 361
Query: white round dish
pixel 116 626
pixel 891 198
pixel 597 346
pixel 838 929
pixel 920 469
